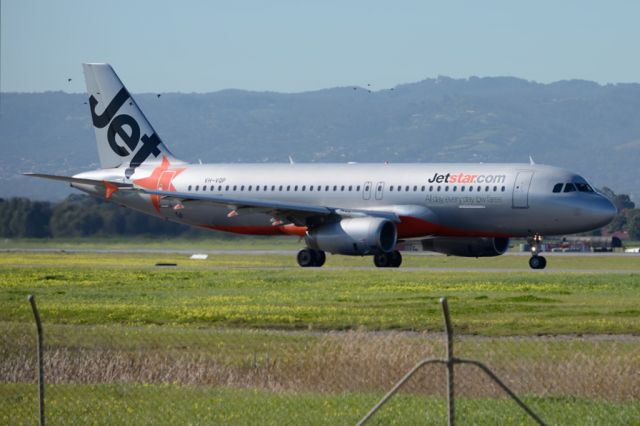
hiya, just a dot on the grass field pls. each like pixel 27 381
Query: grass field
pixel 137 404
pixel 245 337
pixel 127 289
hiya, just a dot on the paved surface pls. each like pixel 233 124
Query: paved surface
pixel 282 252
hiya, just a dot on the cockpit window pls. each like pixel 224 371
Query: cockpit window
pixel 584 187
pixel 569 187
pixel 557 187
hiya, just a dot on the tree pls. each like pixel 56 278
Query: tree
pixel 633 225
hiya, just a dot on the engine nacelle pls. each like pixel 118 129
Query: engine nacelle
pixel 355 236
pixel 467 247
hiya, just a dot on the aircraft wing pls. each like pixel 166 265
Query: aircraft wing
pixel 297 213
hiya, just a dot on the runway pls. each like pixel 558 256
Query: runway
pixel 280 252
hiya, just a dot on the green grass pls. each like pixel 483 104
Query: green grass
pixel 260 322
pixel 126 289
pixel 138 404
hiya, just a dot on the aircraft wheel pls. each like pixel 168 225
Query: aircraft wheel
pixel 544 262
pixel 320 258
pixel 396 259
pixel 382 260
pixel 537 262
pixel 306 258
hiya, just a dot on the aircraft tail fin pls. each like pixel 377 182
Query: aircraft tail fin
pixel 124 136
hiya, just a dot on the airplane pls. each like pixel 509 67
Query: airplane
pixel 349 209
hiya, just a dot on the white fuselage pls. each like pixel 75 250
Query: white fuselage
pixel 448 199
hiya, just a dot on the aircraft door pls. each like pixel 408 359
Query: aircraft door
pixel 520 198
pixel 165 180
pixel 366 191
pixel 379 190
pixel 164 184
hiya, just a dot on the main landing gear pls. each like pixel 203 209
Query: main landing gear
pixel 310 257
pixel 316 258
pixel 388 260
pixel 536 261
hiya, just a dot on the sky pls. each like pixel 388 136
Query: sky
pixel 299 45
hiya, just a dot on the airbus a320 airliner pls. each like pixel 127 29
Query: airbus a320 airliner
pixel 350 209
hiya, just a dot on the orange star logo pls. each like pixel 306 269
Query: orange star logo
pixel 161 179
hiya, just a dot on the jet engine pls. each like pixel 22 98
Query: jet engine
pixel 354 236
pixel 467 247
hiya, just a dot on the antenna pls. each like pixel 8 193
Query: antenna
pixel 531 161
pixel 291 160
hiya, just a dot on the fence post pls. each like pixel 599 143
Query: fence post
pixel 36 315
pixel 451 411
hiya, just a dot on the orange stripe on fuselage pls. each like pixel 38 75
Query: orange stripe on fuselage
pixel 412 227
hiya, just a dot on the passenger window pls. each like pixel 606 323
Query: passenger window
pixel 189 188
pixel 310 187
pixel 257 187
pixel 399 188
pixel 197 187
pixel 304 187
pixel 430 188
pixel 438 188
pixel 326 188
pixel 557 187
pixel 415 188
pixel 264 188
pixel 358 188
pixel 406 188
pixel 249 189
pixel 495 188
pixel 462 189
pixel 446 188
pixel 342 188
pixel 423 187
pixel 295 188
pixel 204 187
pixel 503 188
pixel 471 189
pixel 455 188
pixel 288 188
pixel 569 187
pixel 486 189
pixel 390 188
pixel 280 188
pixel 350 188
pixel 226 188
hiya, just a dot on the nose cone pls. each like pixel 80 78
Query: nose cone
pixel 602 211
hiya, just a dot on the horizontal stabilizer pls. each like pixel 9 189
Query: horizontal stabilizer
pixel 72 179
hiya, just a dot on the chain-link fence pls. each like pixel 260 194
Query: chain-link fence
pixel 187 375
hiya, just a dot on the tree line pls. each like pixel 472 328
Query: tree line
pixel 80 216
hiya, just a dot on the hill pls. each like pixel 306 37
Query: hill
pixel 589 128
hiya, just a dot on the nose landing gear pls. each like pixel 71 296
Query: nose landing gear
pixel 536 261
